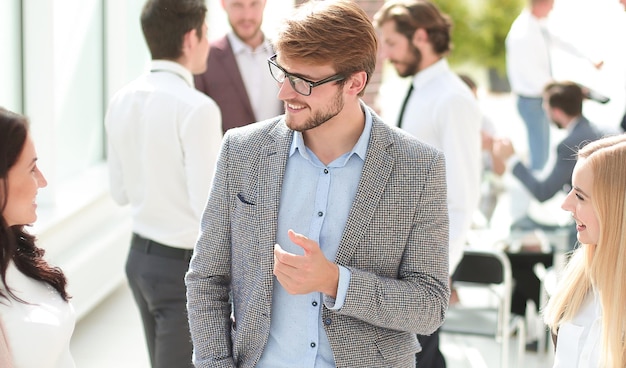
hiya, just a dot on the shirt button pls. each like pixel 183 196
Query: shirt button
pixel 312 344
pixel 328 321
pixel 325 171
pixel 320 213
pixel 314 304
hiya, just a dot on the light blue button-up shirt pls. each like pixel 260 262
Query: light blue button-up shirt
pixel 315 201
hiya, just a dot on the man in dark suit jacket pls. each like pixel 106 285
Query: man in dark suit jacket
pixel 564 108
pixel 237 77
pixel 563 104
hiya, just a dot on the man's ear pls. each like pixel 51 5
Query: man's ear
pixel 190 39
pixel 419 37
pixel 356 83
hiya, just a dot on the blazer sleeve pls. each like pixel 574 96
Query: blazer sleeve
pixel 208 278
pixel 561 174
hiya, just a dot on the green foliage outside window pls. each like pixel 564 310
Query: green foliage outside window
pixel 480 28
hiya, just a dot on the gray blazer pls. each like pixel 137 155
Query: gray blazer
pixel 561 174
pixel 395 243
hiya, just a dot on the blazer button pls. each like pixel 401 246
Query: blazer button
pixel 328 321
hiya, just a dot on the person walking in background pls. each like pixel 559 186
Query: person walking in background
pixel 163 140
pixel 529 45
pixel 236 75
pixel 340 256
pixel 439 110
pixel 587 311
pixel 36 318
pixel 564 104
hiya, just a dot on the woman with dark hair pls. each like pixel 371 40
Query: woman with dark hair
pixel 36 316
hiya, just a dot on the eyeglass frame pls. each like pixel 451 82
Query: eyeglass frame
pixel 292 77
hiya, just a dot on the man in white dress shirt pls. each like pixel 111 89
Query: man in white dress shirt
pixel 441 111
pixel 529 69
pixel 163 141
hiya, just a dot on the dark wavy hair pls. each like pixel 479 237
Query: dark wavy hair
pixel 16 244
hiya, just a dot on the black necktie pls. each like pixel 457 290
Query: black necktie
pixel 406 99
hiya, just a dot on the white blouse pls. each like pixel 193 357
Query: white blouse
pixel 39 332
pixel 579 340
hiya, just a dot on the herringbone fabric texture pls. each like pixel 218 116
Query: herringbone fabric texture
pixel 395 243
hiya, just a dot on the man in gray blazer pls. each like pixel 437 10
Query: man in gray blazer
pixel 563 105
pixel 236 75
pixel 327 228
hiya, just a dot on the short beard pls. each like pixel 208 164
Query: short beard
pixel 412 66
pixel 320 117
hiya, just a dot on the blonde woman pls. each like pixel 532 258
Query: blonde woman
pixel 587 313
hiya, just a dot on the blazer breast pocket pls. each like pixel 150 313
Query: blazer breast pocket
pixel 245 209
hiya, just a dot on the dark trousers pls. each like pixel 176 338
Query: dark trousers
pixel 156 278
pixel 430 356
pixel 527 285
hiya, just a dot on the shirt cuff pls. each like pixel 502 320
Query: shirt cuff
pixel 511 162
pixel 336 304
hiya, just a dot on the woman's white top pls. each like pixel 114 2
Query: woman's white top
pixel 579 340
pixel 39 332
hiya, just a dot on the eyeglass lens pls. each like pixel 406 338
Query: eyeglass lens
pixel 297 84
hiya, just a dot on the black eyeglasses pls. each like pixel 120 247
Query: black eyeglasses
pixel 299 84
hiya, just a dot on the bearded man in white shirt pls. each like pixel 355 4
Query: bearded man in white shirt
pixel 439 110
pixel 163 141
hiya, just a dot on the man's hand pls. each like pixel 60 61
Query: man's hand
pixel 307 273
pixel 503 148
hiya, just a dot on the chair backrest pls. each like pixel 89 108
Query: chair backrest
pixel 487 268
pixel 483 267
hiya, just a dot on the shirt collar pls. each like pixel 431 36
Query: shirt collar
pixel 572 124
pixel 431 72
pixel 238 46
pixel 359 149
pixel 174 68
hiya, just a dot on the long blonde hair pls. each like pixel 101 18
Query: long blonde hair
pixel 602 265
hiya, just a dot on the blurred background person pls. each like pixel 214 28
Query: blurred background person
pixel 163 140
pixel 35 312
pixel 529 45
pixel 563 102
pixel 236 76
pixel 587 312
pixel 439 109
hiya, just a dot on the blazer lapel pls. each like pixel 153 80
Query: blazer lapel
pixel 271 170
pixel 376 172
pixel 228 63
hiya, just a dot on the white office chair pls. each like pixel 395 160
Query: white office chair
pixel 489 270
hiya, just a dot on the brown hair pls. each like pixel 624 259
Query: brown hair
pixel 165 22
pixel 567 96
pixel 411 15
pixel 337 32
